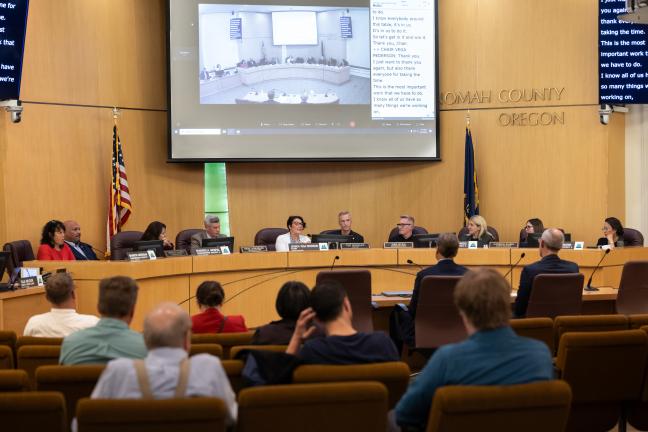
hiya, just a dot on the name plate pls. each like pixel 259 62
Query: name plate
pixel 253 249
pixel 31 281
pixel 354 245
pixel 398 245
pixel 568 245
pixel 296 247
pixel 472 244
pixel 175 253
pixel 503 245
pixel 579 245
pixel 146 255
pixel 463 244
pixel 209 251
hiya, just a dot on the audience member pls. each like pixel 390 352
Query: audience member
pixel 110 338
pixel 82 251
pixel 212 230
pixel 342 344
pixel 292 299
pixel 344 220
pixel 157 231
pixel 295 226
pixel 477 230
pixel 53 246
pixel 63 318
pixel 492 355
pixel 612 233
pixel 405 230
pixel 210 296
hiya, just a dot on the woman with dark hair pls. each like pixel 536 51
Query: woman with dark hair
pixel 53 246
pixel 532 226
pixel 157 231
pixel 613 232
pixel 296 225
pixel 210 296
pixel 292 299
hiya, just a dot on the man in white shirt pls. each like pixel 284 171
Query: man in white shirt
pixel 63 319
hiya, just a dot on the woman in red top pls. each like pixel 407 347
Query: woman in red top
pixel 210 296
pixel 53 247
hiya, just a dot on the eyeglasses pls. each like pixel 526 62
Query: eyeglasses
pixel 298 223
pixel 529 227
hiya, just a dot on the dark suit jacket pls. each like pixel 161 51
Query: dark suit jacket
pixel 549 264
pixel 446 267
pixel 87 250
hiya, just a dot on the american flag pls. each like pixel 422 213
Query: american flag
pixel 120 203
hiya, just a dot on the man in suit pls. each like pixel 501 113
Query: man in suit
pixel 82 251
pixel 550 244
pixel 212 230
pixel 402 322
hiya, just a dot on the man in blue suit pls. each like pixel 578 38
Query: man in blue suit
pixel 82 251
pixel 402 322
pixel 550 244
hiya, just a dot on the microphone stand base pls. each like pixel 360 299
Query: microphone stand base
pixel 591 289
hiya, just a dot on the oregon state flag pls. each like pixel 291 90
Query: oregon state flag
pixel 471 192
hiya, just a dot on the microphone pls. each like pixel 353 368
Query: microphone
pixel 409 261
pixel 522 255
pixel 589 282
pixel 337 257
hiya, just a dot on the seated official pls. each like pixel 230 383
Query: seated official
pixel 110 338
pixel 296 227
pixel 612 233
pixel 212 231
pixel 550 244
pixel 157 231
pixel 344 220
pixel 292 299
pixel 167 332
pixel 492 355
pixel 210 296
pixel 402 321
pixel 405 230
pixel 532 226
pixel 53 246
pixel 82 251
pixel 477 230
pixel 342 344
pixel 63 318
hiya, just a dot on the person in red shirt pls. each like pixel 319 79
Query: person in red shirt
pixel 210 296
pixel 53 247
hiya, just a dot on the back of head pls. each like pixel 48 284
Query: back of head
pixel 59 288
pixel 448 245
pixel 327 299
pixel 484 297
pixel 117 297
pixel 210 294
pixel 553 239
pixel 293 297
pixel 166 326
pixel 616 225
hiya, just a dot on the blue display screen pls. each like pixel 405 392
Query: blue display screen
pixel 13 23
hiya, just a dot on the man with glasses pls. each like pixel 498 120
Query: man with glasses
pixel 405 230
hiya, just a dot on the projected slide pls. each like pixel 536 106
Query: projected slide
pixel 283 55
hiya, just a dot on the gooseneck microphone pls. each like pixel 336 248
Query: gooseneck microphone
pixel 337 257
pixel 409 261
pixel 589 286
pixel 522 255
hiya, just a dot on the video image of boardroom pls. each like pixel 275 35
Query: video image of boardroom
pixel 284 55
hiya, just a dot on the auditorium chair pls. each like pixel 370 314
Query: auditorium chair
pixel 394 375
pixel 235 350
pixel 357 284
pixel 183 239
pixel 268 236
pixel 33 412
pixel 75 382
pixel 6 357
pixel 14 380
pixel 535 328
pixel 234 371
pixel 20 250
pixel 632 237
pixel 587 323
pixel 339 407
pixel 161 415
pixel 30 357
pixel 8 338
pixel 437 320
pixel 415 230
pixel 604 370
pixel 493 232
pixel 206 348
pixel 36 340
pixel 122 243
pixel 632 297
pixel 226 340
pixel 637 321
pixel 556 294
pixel 535 407
pixel 637 411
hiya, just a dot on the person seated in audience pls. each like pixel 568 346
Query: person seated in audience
pixel 295 226
pixel 167 371
pixel 612 233
pixel 82 251
pixel 550 244
pixel 344 220
pixel 63 318
pixel 157 231
pixel 477 230
pixel 212 230
pixel 110 338
pixel 210 296
pixel 53 246
pixel 292 299
pixel 492 355
pixel 533 225
pixel 402 321
pixel 405 230
pixel 342 344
